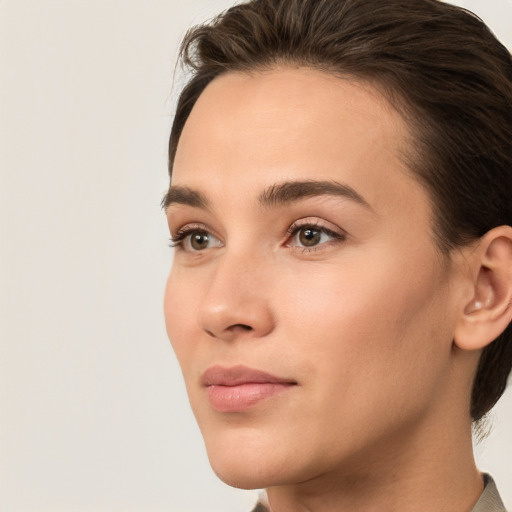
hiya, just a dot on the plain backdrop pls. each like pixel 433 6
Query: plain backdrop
pixel 93 413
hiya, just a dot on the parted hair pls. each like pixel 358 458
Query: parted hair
pixel 438 64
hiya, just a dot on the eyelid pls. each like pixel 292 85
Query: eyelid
pixel 189 226
pixel 185 230
pixel 316 223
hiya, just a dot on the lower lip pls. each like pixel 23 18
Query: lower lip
pixel 244 396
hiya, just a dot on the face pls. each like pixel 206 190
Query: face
pixel 307 303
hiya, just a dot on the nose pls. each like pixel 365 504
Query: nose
pixel 236 304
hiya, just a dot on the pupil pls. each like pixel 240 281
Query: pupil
pixel 199 241
pixel 310 237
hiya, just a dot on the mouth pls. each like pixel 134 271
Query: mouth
pixel 239 388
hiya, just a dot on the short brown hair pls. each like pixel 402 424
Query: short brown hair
pixel 438 64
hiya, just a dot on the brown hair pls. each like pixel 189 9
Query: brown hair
pixel 438 64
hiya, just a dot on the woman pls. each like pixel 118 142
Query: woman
pixel 340 297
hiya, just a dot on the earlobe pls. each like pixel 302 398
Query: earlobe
pixel 489 310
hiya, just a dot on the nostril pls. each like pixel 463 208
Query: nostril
pixel 231 329
pixel 241 326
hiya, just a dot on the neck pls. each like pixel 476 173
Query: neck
pixel 431 468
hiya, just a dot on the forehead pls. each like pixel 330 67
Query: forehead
pixel 249 130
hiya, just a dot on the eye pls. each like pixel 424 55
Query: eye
pixel 194 240
pixel 310 236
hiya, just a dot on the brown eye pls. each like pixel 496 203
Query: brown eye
pixel 312 236
pixel 309 237
pixel 199 240
pixel 191 239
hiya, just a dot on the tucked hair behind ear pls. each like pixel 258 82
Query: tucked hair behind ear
pixel 438 64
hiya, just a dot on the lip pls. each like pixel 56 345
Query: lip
pixel 239 388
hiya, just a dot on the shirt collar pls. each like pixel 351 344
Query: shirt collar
pixel 490 500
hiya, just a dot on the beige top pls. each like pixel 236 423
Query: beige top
pixel 489 501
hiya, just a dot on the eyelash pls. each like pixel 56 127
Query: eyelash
pixel 176 241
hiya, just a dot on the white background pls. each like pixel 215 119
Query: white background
pixel 93 413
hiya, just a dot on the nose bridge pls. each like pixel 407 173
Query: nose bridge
pixel 236 300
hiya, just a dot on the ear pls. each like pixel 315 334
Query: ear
pixel 489 310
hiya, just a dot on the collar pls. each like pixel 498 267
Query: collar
pixel 490 500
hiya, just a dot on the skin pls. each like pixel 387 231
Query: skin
pixel 363 322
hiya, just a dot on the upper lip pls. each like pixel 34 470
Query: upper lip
pixel 237 375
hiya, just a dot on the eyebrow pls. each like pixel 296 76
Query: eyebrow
pixel 279 194
pixel 186 196
pixel 290 191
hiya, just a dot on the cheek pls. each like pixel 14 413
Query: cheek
pixel 179 303
pixel 363 336
pixel 369 322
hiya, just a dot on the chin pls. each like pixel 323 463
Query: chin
pixel 244 474
pixel 247 465
pixel 241 478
